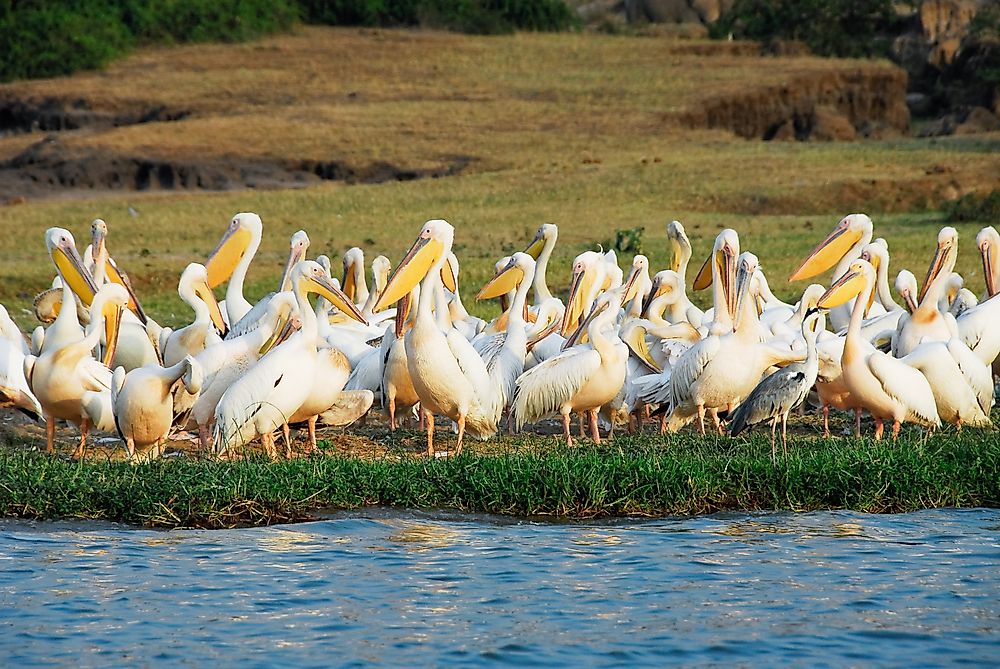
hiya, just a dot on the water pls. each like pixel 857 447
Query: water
pixel 411 589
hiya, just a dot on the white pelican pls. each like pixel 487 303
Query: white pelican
pixel 718 372
pixel 69 383
pixel 397 386
pixel 886 387
pixel 962 384
pixel 75 280
pixel 638 286
pixel 14 389
pixel 208 326
pixel 775 397
pixel 582 378
pixel 841 247
pixel 329 375
pixel 507 350
pixel 231 259
pixel 681 246
pixel 906 286
pixel 928 322
pixel 449 376
pixel 143 404
pixel 988 243
pixel 540 249
pixel 297 249
pixel 281 382
pixel 228 360
pixel 354 285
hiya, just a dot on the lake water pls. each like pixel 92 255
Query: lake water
pixel 418 589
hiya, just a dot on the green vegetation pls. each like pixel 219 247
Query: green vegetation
pixel 974 207
pixel 46 39
pixel 844 28
pixel 633 476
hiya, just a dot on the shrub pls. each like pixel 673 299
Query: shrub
pixel 974 208
pixel 845 28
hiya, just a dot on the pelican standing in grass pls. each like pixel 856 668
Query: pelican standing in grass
pixel 928 322
pixel 143 405
pixel 886 387
pixel 775 397
pixel 841 247
pixel 449 376
pixel 582 378
pixel 273 390
pixel 69 383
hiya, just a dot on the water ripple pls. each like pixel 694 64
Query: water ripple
pixel 823 589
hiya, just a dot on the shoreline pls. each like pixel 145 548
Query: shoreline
pixel 640 477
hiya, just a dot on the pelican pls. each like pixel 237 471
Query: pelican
pixel 281 383
pixel 14 389
pixel 988 243
pixel 74 280
pixel 775 397
pixel 231 259
pixel 906 286
pixel 637 287
pixel 962 384
pixel 841 247
pixel 540 249
pixel 581 379
pixel 225 362
pixel 449 376
pixel 297 249
pixel 142 401
pixel 681 246
pixel 354 284
pixel 928 322
pixel 69 383
pixel 886 387
pixel 329 376
pixel 397 386
pixel 461 320
pixel 208 322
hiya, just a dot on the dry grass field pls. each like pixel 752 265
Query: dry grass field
pixel 591 132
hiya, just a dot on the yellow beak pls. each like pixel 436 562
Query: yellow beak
pixel 827 252
pixel 991 278
pixel 410 271
pixel 635 339
pixel 509 278
pixel 449 276
pixel 223 260
pixel 535 247
pixel 846 287
pixel 112 326
pixel 323 287
pixel 941 255
pixel 205 294
pixel 71 269
pixel 575 305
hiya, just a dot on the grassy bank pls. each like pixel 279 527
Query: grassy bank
pixel 632 477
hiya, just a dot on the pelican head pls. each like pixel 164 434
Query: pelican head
pixel 849 231
pixel 62 250
pixel 944 258
pixel 858 276
pixel 98 235
pixel 297 249
pixel 308 276
pixel 666 282
pixel 810 296
pixel 509 278
pixel 381 268
pixel 589 270
pixel 547 234
pixel 354 264
pixel 637 278
pixel 107 307
pixel 721 265
pixel 906 286
pixel 747 268
pixel 813 324
pixel 605 309
pixel 194 279
pixel 680 244
pixel 988 242
pixel 236 241
pixel 430 249
pixel 875 253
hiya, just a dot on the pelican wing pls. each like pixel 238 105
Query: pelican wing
pixel 690 367
pixel 905 384
pixel 977 328
pixel 472 366
pixel 252 319
pixel 978 375
pixel 543 389
pixel 94 375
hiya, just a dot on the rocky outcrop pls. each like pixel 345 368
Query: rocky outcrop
pixel 869 101
pixel 676 11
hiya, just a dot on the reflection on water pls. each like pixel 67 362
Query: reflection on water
pixel 399 588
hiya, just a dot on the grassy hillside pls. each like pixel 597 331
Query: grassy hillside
pixel 585 131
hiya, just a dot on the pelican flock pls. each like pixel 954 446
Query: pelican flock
pixel 624 348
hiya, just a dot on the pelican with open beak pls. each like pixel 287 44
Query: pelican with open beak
pixel 69 383
pixel 283 381
pixel 589 273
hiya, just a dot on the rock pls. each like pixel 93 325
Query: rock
pixel 709 11
pixel 944 23
pixel 978 120
pixel 919 104
pixel 660 11
pixel 829 125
